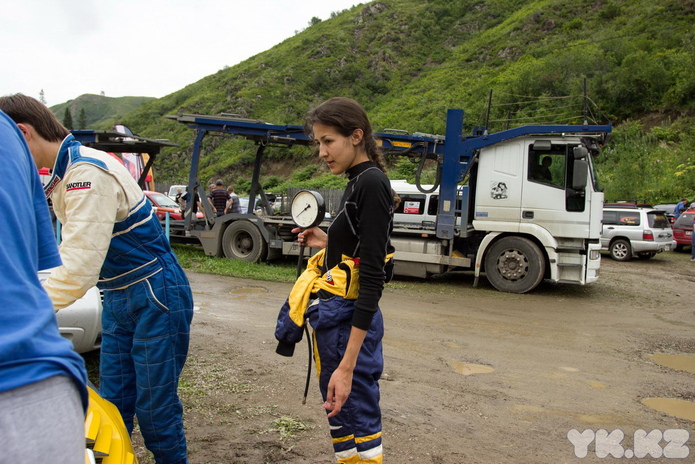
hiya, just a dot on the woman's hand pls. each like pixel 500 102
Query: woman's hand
pixel 314 237
pixel 340 384
pixel 339 388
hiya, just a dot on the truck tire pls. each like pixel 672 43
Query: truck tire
pixel 620 250
pixel 514 265
pixel 242 240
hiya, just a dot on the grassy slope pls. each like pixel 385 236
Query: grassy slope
pixel 408 61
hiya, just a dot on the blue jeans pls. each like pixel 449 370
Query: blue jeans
pixel 146 328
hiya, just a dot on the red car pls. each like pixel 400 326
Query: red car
pixel 683 229
pixel 163 204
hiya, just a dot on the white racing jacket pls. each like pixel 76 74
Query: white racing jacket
pixel 91 191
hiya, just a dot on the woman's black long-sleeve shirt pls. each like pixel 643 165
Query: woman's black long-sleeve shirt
pixel 361 230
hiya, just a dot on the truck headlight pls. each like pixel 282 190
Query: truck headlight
pixel 594 255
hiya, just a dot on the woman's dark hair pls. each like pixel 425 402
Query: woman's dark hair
pixel 28 110
pixel 346 115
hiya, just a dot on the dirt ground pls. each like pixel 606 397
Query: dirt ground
pixel 472 375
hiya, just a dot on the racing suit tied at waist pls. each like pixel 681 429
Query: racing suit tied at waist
pixel 342 280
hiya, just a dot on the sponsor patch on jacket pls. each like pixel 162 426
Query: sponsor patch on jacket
pixel 48 189
pixel 78 186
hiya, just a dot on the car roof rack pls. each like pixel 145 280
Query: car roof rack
pixel 627 203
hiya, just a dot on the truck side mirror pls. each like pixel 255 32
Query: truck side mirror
pixel 580 173
pixel 580 153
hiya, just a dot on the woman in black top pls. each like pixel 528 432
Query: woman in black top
pixel 346 328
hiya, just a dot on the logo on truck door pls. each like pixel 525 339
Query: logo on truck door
pixel 498 190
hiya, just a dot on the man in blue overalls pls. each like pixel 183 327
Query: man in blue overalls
pixel 112 238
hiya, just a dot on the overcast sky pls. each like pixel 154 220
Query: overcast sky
pixel 138 47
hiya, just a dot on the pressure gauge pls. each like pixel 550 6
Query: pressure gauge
pixel 308 209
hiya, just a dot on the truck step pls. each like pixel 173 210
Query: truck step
pixel 568 265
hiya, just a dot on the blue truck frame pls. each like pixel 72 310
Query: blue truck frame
pixel 454 153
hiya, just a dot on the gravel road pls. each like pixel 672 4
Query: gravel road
pixel 472 375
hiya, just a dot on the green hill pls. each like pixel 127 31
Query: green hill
pixel 99 111
pixel 407 61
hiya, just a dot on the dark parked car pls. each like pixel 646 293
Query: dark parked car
pixel 683 229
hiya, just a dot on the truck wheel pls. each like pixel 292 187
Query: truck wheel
pixel 242 240
pixel 515 265
pixel 620 250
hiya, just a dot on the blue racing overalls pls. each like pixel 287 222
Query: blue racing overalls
pixel 148 308
pixel 146 325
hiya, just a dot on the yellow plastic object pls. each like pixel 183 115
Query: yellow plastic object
pixel 106 436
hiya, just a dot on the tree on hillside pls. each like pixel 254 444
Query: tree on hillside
pixel 42 97
pixel 82 120
pixel 67 119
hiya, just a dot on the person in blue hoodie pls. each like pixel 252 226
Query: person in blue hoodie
pixel 680 207
pixel 43 393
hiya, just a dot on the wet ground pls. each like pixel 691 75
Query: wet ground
pixel 472 375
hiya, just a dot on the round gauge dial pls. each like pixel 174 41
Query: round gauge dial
pixel 308 209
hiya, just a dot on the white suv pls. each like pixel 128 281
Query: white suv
pixel 630 231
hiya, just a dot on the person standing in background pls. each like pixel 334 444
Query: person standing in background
pixel 233 205
pixel 43 393
pixel 218 198
pixel 191 203
pixel 680 207
pixel 179 194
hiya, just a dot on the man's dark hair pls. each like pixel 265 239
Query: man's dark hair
pixel 27 110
